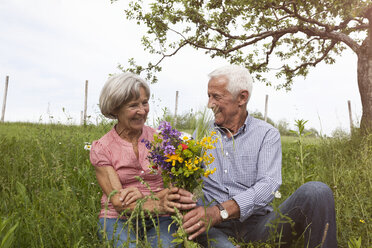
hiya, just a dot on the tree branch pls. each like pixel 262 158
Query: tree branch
pixel 314 63
pixel 336 36
pixel 170 55
pixel 273 44
pixel 304 19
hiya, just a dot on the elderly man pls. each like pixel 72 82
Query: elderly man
pixel 248 162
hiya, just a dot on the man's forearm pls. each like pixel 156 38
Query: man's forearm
pixel 232 209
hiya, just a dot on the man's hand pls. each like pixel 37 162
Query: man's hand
pixel 130 195
pixel 176 198
pixel 197 220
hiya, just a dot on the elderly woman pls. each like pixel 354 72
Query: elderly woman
pixel 119 156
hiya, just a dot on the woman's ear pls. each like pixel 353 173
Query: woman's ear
pixel 115 112
pixel 243 97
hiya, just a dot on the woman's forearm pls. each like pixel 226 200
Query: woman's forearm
pixel 164 202
pixel 152 204
pixel 109 181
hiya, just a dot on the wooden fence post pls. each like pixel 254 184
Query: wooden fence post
pixel 175 109
pixel 350 116
pixel 85 102
pixel 266 103
pixel 4 100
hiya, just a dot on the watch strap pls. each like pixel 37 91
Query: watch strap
pixel 220 207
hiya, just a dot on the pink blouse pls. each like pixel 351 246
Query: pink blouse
pixel 111 150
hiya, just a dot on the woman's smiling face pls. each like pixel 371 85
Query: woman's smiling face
pixel 133 115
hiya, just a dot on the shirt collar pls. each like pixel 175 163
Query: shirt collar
pixel 242 129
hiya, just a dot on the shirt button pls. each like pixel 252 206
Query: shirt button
pixel 225 171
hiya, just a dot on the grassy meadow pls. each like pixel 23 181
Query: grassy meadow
pixel 50 197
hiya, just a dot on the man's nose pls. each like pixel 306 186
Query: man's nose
pixel 211 103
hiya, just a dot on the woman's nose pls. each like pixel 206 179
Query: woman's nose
pixel 141 109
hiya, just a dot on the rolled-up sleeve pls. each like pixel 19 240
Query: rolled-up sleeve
pixel 268 176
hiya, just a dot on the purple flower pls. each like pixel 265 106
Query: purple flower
pixel 168 132
pixel 147 143
pixel 166 143
pixel 169 149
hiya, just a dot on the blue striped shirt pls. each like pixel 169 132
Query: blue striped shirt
pixel 248 168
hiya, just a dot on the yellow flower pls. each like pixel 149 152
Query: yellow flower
pixel 362 221
pixel 188 165
pixel 209 172
pixel 173 158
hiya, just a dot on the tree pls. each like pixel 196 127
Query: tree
pixel 291 36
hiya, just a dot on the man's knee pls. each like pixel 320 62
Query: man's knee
pixel 316 191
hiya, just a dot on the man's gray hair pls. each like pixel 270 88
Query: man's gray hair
pixel 118 90
pixel 238 78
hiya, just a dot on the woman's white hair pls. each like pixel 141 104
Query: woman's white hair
pixel 238 78
pixel 118 90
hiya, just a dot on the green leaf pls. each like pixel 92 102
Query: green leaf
pixel 177 241
pixel 8 238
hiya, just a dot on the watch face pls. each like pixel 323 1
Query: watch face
pixel 224 214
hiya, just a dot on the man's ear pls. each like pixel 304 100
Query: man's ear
pixel 243 97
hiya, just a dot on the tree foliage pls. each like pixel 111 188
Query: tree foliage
pixel 287 37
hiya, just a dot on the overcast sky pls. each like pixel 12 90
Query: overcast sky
pixel 50 47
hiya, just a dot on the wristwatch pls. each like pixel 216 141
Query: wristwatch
pixel 224 214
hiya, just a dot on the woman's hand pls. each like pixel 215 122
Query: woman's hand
pixel 175 198
pixel 129 195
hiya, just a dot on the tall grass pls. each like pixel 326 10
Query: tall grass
pixel 48 185
pixel 191 122
pixel 345 165
pixel 50 197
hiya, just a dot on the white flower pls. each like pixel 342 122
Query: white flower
pixel 185 135
pixel 277 194
pixel 87 147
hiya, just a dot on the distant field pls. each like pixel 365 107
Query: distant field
pixel 49 193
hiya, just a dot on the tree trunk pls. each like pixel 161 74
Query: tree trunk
pixel 365 79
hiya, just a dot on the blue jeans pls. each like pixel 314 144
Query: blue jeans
pixel 309 211
pixel 117 232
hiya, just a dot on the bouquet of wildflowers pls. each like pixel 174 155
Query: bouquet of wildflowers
pixel 181 161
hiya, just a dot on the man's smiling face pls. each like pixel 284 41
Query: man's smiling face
pixel 223 104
